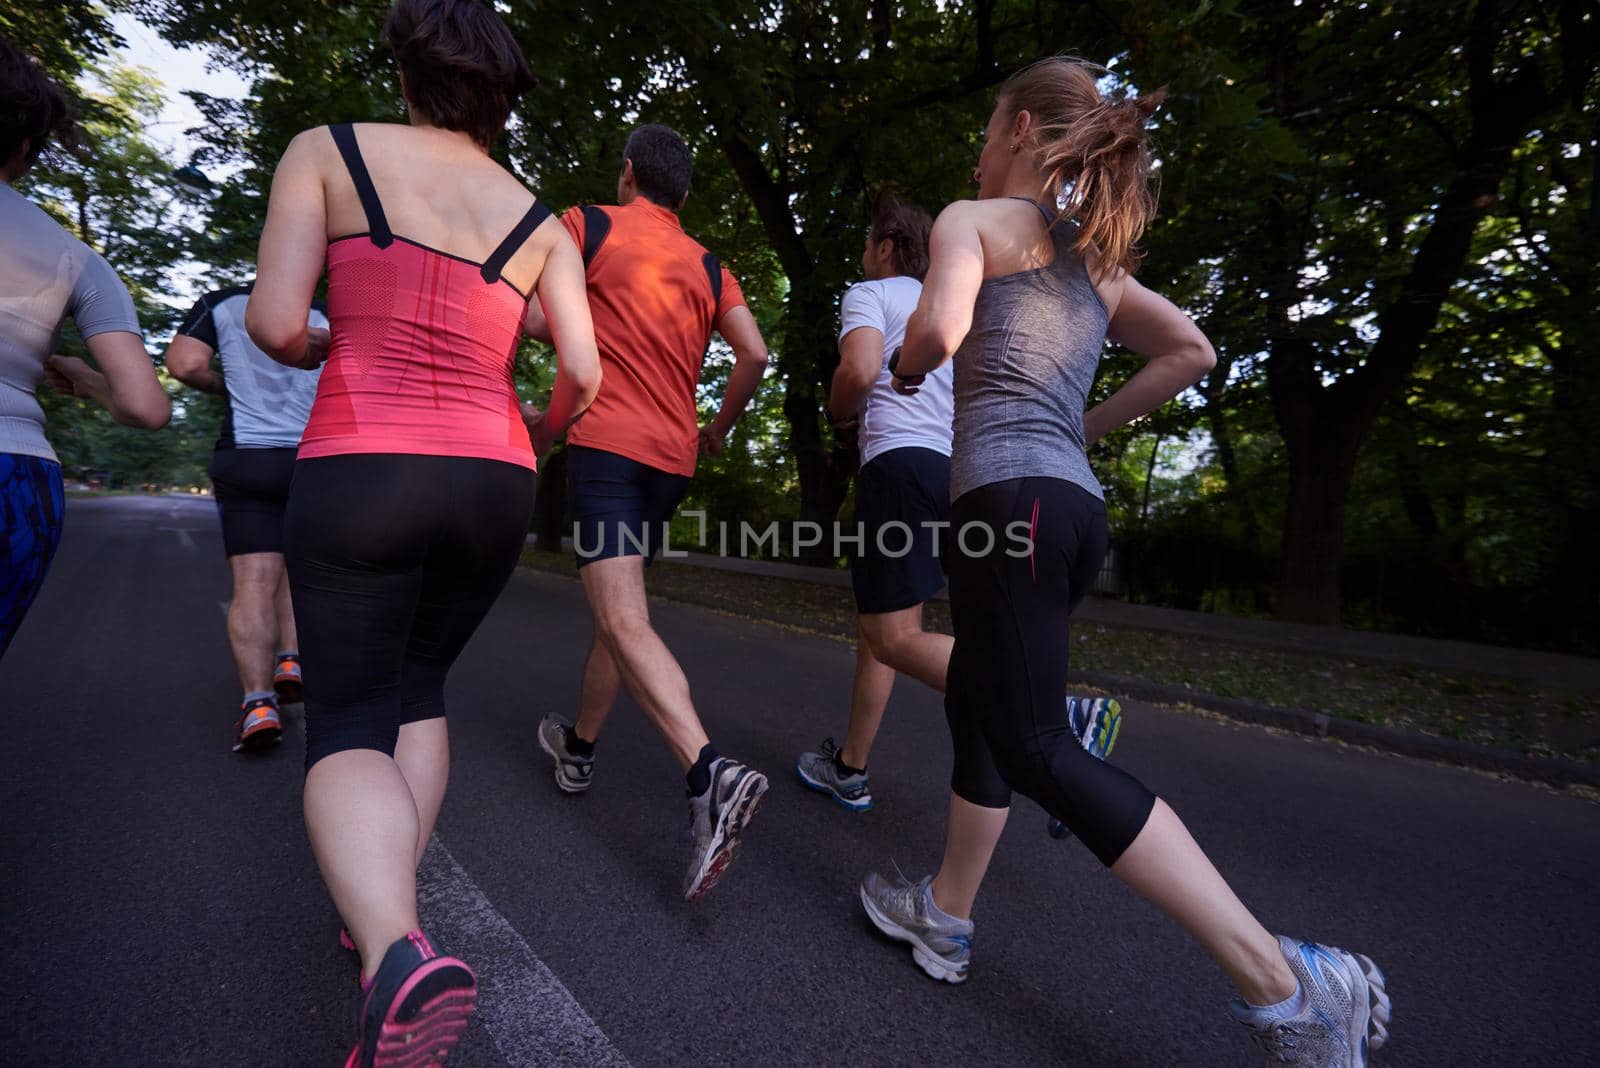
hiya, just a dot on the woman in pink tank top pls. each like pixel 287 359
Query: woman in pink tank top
pixel 413 490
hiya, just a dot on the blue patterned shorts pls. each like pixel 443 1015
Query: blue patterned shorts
pixel 31 506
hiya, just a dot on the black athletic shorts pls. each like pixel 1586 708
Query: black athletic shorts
pixel 394 559
pixel 620 507
pixel 252 489
pixel 902 511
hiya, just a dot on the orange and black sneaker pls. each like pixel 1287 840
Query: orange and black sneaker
pixel 287 679
pixel 259 726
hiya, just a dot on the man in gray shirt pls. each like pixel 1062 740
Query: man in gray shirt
pixel 268 405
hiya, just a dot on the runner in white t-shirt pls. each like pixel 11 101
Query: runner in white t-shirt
pixel 902 504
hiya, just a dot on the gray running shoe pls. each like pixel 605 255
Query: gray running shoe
pixel 900 910
pixel 573 773
pixel 1342 1016
pixel 821 772
pixel 717 818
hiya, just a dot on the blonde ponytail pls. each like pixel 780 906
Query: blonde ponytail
pixel 1094 153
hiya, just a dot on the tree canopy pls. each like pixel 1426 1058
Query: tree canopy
pixel 1384 219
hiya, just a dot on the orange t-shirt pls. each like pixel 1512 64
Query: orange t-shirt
pixel 651 299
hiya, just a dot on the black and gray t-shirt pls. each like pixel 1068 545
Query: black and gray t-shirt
pixel 268 402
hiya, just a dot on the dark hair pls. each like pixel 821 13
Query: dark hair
pixel 908 227
pixel 463 70
pixel 33 108
pixel 662 164
pixel 1093 148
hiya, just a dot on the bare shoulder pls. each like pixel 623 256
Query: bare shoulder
pixel 311 149
pixel 308 144
pixel 960 213
pixel 1111 284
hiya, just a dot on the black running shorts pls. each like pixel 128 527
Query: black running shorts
pixel 620 506
pixel 252 489
pixel 902 512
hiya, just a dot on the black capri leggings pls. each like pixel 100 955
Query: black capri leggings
pixel 1005 697
pixel 393 562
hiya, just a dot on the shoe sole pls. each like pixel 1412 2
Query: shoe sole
pixel 929 961
pixel 566 787
pixel 742 809
pixel 824 788
pixel 426 1018
pixel 1379 1008
pixel 289 692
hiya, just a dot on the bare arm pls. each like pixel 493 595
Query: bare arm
pixel 738 327
pixel 125 385
pixel 944 312
pixel 189 361
pixel 562 304
pixel 1177 356
pixel 294 247
pixel 860 361
pixel 536 324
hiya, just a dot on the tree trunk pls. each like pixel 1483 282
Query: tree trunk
pixel 1323 426
pixel 1320 473
pixel 1211 391
pixel 824 467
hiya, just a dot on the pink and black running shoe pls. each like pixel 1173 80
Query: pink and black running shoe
pixel 416 1007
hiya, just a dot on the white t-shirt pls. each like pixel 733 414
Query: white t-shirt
pixel 892 420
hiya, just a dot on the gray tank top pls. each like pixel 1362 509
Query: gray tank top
pixel 1023 373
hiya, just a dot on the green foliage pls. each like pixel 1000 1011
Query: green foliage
pixel 1384 219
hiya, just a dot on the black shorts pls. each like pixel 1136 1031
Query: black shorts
pixel 252 489
pixel 620 507
pixel 902 507
pixel 394 560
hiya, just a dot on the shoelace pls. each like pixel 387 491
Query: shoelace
pixel 1278 1042
pixel 829 748
pixel 907 896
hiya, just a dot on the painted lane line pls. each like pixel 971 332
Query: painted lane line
pixel 532 1017
pixel 185 538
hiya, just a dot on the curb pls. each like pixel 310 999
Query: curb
pixel 1553 770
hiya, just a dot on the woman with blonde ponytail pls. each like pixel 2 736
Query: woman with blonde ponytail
pixel 1025 285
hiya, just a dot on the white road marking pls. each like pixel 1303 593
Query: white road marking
pixel 185 538
pixel 532 1017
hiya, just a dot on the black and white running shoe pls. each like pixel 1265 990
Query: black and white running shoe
pixel 718 817
pixel 573 773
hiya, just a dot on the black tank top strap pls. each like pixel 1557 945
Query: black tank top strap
pixel 1049 217
pixel 514 240
pixel 344 135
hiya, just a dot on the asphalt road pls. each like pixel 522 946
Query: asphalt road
pixel 159 905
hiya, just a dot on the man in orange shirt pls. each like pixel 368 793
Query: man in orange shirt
pixel 656 296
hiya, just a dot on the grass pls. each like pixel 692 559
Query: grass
pixel 1507 713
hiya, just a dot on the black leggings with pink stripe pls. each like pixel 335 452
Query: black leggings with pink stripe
pixel 1010 596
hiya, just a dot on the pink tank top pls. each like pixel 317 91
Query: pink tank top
pixel 422 343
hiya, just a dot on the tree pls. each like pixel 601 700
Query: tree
pixel 1378 161
pixel 1343 184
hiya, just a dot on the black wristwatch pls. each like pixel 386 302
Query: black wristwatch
pixel 894 361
